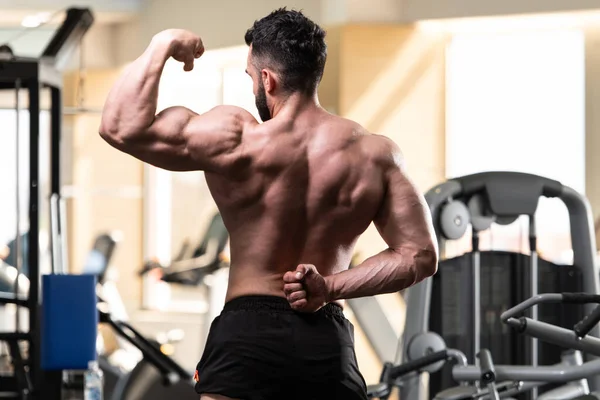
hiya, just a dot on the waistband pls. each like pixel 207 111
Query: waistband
pixel 274 303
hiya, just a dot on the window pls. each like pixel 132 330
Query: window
pixel 515 102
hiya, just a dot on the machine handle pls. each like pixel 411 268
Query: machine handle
pixel 583 327
pixel 417 364
pixel 545 298
pixel 488 371
pixel 530 302
pixel 580 298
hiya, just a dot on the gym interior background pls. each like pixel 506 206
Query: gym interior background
pixel 462 86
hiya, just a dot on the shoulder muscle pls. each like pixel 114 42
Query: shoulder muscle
pixel 215 139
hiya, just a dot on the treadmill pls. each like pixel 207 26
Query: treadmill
pixel 462 303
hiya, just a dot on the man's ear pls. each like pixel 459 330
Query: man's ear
pixel 269 81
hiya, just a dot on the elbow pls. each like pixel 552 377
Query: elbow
pixel 105 135
pixel 113 135
pixel 426 264
pixel 108 132
pixel 415 265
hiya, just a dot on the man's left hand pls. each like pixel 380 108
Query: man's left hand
pixel 305 289
pixel 185 46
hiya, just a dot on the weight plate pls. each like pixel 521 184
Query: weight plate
pixel 454 220
pixel 481 219
pixel 424 344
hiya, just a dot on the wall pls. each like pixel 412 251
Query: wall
pixel 414 10
pixel 329 89
pixel 221 26
pixel 407 11
pixel 360 11
pixel 98 50
pixel 128 46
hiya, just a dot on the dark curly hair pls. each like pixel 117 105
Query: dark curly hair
pixel 291 44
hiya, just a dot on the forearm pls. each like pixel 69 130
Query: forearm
pixel 131 104
pixel 387 272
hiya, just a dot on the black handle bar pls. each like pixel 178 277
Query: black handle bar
pixel 545 298
pixel 581 329
pixel 415 365
pixel 390 373
pixel 580 298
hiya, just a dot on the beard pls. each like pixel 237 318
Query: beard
pixel 261 103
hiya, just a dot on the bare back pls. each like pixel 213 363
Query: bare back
pixel 308 190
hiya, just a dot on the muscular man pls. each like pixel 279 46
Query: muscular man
pixel 295 193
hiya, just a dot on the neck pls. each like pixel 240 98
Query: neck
pixel 294 104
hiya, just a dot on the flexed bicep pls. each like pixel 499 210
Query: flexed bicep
pixel 177 138
pixel 163 143
pixel 181 140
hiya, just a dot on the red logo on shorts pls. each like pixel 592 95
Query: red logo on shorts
pixel 196 377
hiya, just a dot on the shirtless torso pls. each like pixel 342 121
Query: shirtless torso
pixel 308 188
pixel 295 193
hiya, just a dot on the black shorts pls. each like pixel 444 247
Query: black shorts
pixel 261 349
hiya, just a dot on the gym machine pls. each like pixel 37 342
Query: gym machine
pixel 142 370
pixel 452 303
pixel 505 381
pixel 28 380
pixel 191 269
pixel 156 375
pixel 202 267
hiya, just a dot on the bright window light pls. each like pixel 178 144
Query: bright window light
pixel 35 20
pixel 515 102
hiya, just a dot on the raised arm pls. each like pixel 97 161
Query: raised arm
pixel 176 139
pixel 404 223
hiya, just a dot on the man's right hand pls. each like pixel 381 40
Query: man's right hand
pixel 306 290
pixel 185 46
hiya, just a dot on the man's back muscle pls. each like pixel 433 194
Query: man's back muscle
pixel 306 194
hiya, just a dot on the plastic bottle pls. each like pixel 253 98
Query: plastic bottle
pixel 94 382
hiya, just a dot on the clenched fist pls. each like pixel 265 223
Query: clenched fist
pixel 305 289
pixel 185 46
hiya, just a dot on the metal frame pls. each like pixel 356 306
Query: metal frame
pixel 513 380
pixel 524 373
pixel 418 297
pixel 34 76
